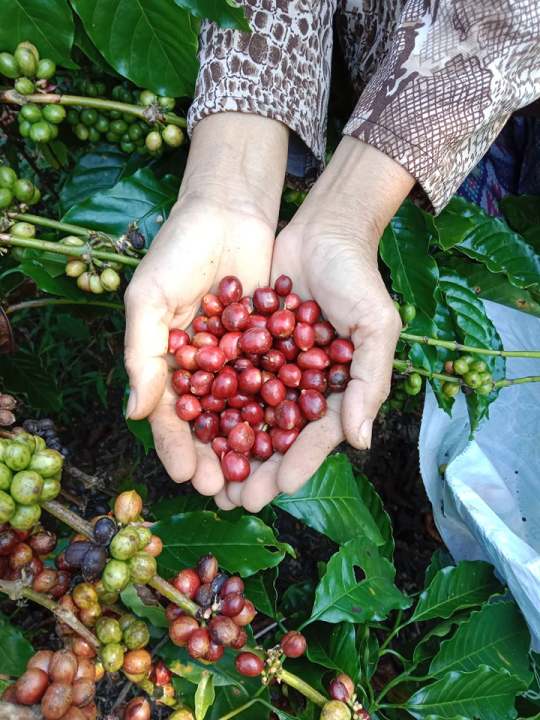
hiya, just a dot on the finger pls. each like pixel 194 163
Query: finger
pixel 235 489
pixel 310 449
pixel 173 439
pixel 371 372
pixel 208 478
pixel 261 487
pixel 223 501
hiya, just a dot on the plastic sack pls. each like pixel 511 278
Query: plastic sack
pixel 486 501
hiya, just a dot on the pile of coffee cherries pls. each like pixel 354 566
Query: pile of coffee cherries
pixel 255 371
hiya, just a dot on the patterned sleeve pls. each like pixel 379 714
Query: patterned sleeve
pixel 281 70
pixel 454 73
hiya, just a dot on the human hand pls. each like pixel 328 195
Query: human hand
pixel 223 224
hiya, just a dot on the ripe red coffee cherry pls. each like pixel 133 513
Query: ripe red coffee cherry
pixel 181 381
pixel 211 305
pixel 238 401
pixel 225 384
pixel 199 643
pixel 42 542
pixel 270 416
pixel 56 701
pixel 347 682
pixel 31 686
pixel 249 665
pixel 21 555
pixel 292 301
pixel 293 644
pixel 177 339
pixel 212 404
pixel 324 333
pixel 265 300
pixel 292 394
pixel 63 666
pixel 8 541
pixel 161 674
pixel 215 326
pixel 229 290
pixel 289 348
pixel 252 413
pixel 314 359
pixel 180 630
pixel 273 360
pixel 206 426
pixel 341 351
pixel 247 302
pixel 234 584
pixel 262 448
pixel 229 345
pixel 249 381
pixel 40 660
pixel 338 377
pixel 241 438
pixel 266 375
pixel 210 358
pixel 137 661
pixel 281 323
pixel 257 321
pixel 232 604
pixel 172 612
pixel 283 285
pixel 308 312
pixel 242 363
pixel 314 380
pixel 207 568
pixel 201 382
pixel 235 466
pixel 235 317
pixel 187 582
pixel 338 691
pixel 288 415
pixel 312 404
pixel 200 324
pixel 215 652
pixel 229 419
pixel 61 586
pixel 45 580
pixel 246 615
pixel 85 690
pixel 220 446
pixel 304 335
pixel 241 640
pixel 223 630
pixel 255 341
pixel 290 375
pixel 204 339
pixel 185 357
pixel 273 392
pixel 283 439
pixel 188 407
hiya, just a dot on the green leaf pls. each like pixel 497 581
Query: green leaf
pixel 230 698
pixel 152 43
pixel 205 695
pixel 24 374
pixel 454 588
pixel 143 432
pixel 334 647
pixel 49 25
pixel 374 504
pixel 154 613
pixel 496 636
pixel 140 198
pixel 167 507
pixel 261 590
pixel 483 694
pixel 15 649
pixel 62 286
pixel 243 547
pixel 341 597
pixel 439 560
pixel 522 212
pixel 429 645
pixel 405 250
pixel 332 504
pixel 464 226
pixel 225 13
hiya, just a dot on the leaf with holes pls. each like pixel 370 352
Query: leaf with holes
pixel 334 647
pixel 225 13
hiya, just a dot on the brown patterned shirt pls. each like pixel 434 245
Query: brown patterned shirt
pixel 437 79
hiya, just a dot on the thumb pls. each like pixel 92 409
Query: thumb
pixel 371 372
pixel 145 354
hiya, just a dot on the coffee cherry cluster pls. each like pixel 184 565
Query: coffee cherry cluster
pixel 95 277
pixel 27 68
pixel 63 684
pixel 474 375
pixel 15 189
pixel 29 475
pixel 224 612
pixel 123 642
pixel 255 371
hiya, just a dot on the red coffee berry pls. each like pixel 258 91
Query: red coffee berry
pixel 288 415
pixel 338 377
pixel 45 580
pixel 273 360
pixel 232 604
pixel 241 640
pixel 172 612
pixel 220 446
pixel 249 665
pixel 204 339
pixel 215 326
pixel 253 359
pixel 293 644
pixel 292 301
pixel 241 438
pixel 314 359
pixel 215 652
pixel 181 381
pixel 247 302
pixel 314 380
pixel 312 404
pixel 252 413
pixel 207 568
pixel 63 666
pixel 21 555
pixel 188 407
pixel 273 392
pixel 229 290
pixel 206 426
pixel 308 312
pixel 61 586
pixel 324 333
pixel 229 345
pixel 265 300
pixel 257 321
pixel 288 347
pixel 266 375
pixel 341 351
pixel 249 381
pixel 40 660
pixel 235 466
pixel 283 285
pixel 234 584
pixel 270 415
pixel 31 686
pixel 228 420
pixel 235 317
pixel 185 357
pixel 199 643
pixel 242 363
pixel 161 674
pixel 56 701
pixel 187 582
pixel 84 690
pixel 338 691
pixel 262 448
pixel 42 542
pixel 292 394
pixel 210 358
pixel 238 401
pixel 225 384
pixel 283 439
pixel 246 615
pixel 281 323
pixel 201 382
pixel 347 682
pixel 211 305
pixel 255 341
pixel 180 630
pixel 213 404
pixel 200 324
pixel 223 630
pixel 177 339
pixel 8 541
pixel 290 375
pixel 304 335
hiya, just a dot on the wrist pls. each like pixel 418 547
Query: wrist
pixel 237 161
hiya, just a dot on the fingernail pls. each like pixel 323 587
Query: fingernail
pixel 131 404
pixel 365 432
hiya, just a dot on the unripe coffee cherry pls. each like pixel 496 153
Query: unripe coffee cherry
pixel 112 657
pixel 75 268
pixel 155 546
pixel 142 567
pixel 115 576
pixel 31 686
pixel 47 463
pixel 26 487
pixel 84 595
pixel 110 280
pixel 137 662
pixel 136 635
pixel 108 630
pixel 183 714
pixel 249 664
pixel 128 506
pixel 293 644
pixel 335 710
pixel 338 691
pixel 347 682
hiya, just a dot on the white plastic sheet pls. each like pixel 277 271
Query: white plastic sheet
pixel 487 502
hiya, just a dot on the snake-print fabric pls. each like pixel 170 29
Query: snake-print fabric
pixel 437 79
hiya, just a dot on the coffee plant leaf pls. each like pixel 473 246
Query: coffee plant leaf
pixel 232 697
pixel 372 501
pixel 405 250
pixel 205 695
pixel 140 199
pixel 153 44
pixel 62 286
pixel 522 212
pixel 245 546
pixel 483 693
pixel 83 42
pixel 332 503
pixel 334 647
pixel 467 228
pixel 465 585
pixel 439 560
pixel 49 25
pixel 261 590
pixel 166 507
pixel 15 649
pixel 341 597
pixel 430 643
pixel 225 13
pixel 23 373
pixel 496 636
pixel 182 664
pixel 154 613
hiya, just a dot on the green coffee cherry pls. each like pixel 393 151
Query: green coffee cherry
pixel 479 366
pixel 413 384
pixel 4 443
pixel 25 516
pixel 74 268
pixel 6 476
pixel 153 141
pixel 472 379
pixel 51 489
pixel 174 137
pixel 142 567
pixel 41 132
pixel 72 240
pixel 110 280
pixel 407 313
pixel 46 69
pixel 167 103
pixel 8 177
pixel 24 86
pixel 89 116
pixel 95 284
pixel 112 657
pixel 126 620
pixel 144 535
pixel 24 189
pixel 7 507
pixel 6 198
pixel 115 576
pixel 47 462
pixel 461 366
pixel 26 487
pixel 9 67
pixel 108 630
pixel 31 112
pixel 136 635
pixel 36 197
pixel 23 230
pixel 335 710
pixel 26 60
pixel 124 544
pixel 39 443
pixel 54 114
pixel 485 389
pixel 17 456
pixel 81 131
pixel 147 97
pixel 450 389
pixel 29 46
pixel 83 282
pixel 26 439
